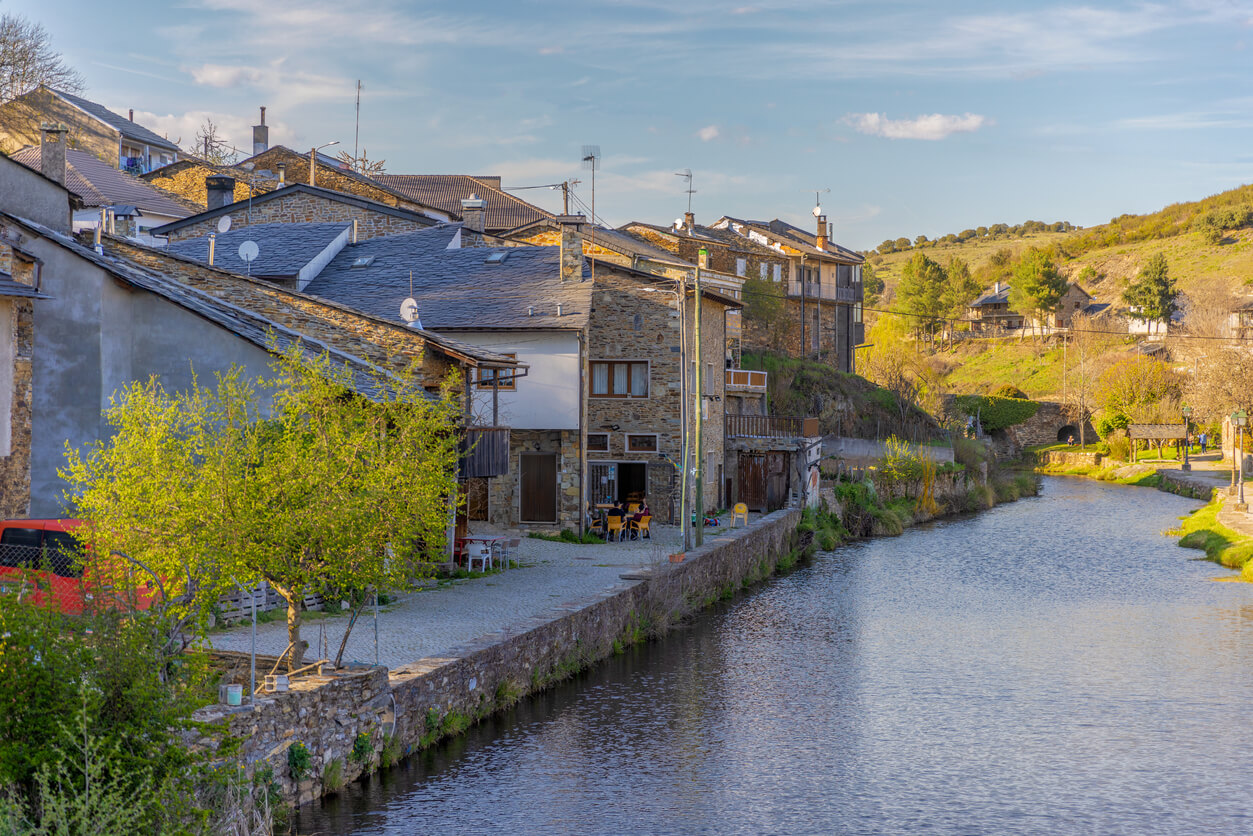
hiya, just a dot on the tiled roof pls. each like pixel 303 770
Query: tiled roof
pixel 712 235
pixel 8 287
pixel 100 184
pixel 446 191
pixel 128 129
pixel 285 249
pixel 993 297
pixel 455 289
pixel 622 241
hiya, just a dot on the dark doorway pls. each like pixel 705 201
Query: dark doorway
pixel 538 484
pixel 632 481
pixel 1067 431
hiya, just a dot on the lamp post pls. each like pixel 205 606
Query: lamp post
pixel 1187 414
pixel 248 167
pixel 313 155
pixel 1242 419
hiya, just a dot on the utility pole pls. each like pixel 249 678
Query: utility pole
pixel 356 131
pixel 684 523
pixel 700 404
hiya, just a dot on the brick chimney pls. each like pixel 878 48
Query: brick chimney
pixel 474 213
pixel 220 189
pixel 689 222
pixel 571 247
pixel 821 242
pixel 260 136
pixel 131 115
pixel 52 150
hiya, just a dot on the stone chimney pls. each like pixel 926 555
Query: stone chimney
pixel 282 174
pixel 474 213
pixel 260 136
pixel 52 150
pixel 220 189
pixel 131 115
pixel 821 241
pixel 702 259
pixel 571 247
pixel 689 222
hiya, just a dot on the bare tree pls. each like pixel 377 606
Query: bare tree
pixel 211 146
pixel 28 60
pixel 1087 351
pixel 363 164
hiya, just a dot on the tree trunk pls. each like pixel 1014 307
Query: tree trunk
pixel 1082 438
pixel 295 603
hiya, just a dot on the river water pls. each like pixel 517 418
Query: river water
pixel 1054 665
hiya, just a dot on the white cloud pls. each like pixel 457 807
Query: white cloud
pixel 707 133
pixel 932 126
pixel 222 75
pixel 181 128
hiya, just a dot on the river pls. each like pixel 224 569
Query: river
pixel 1054 665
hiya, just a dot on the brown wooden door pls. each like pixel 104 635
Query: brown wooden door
pixel 538 483
pixel 776 480
pixel 752 488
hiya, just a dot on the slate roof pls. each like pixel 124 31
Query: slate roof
pixel 100 184
pixel 285 249
pixel 993 297
pixel 446 191
pixel 243 323
pixel 8 287
pixel 128 129
pixel 723 237
pixel 455 289
pixel 799 239
pixel 298 188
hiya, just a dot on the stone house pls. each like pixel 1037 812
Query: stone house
pixel 117 140
pixel 295 203
pixel 502 211
pixel 187 179
pixel 991 312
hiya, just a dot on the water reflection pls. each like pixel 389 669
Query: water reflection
pixel 1055 664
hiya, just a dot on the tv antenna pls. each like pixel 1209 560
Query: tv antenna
pixel 686 174
pixel 818 202
pixel 248 252
pixel 356 131
pixel 591 161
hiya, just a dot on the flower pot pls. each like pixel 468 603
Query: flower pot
pixel 677 558
pixel 230 694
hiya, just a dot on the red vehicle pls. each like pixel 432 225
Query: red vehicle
pixel 41 557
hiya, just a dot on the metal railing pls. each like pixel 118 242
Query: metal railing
pixel 745 380
pixel 770 426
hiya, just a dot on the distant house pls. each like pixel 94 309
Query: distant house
pixel 1075 301
pixel 118 140
pixel 992 311
pixel 501 211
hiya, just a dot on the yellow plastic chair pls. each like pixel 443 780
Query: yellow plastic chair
pixel 739 512
pixel 632 507
pixel 615 529
pixel 642 528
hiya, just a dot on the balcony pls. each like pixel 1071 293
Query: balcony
pixel 484 452
pixel 824 292
pixel 770 426
pixel 743 381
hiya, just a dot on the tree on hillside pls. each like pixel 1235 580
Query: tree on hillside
pixel 321 492
pixel 922 282
pixel 960 288
pixel 1153 295
pixel 871 285
pixel 888 246
pixel 1037 286
pixel 921 241
pixel 28 60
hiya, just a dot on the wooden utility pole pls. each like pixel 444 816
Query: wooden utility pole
pixel 700 409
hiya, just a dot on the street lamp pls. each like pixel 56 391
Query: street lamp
pixel 313 155
pixel 1187 414
pixel 1242 420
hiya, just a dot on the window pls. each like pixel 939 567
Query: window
pixel 363 261
pixel 741 266
pixel 598 442
pixel 641 443
pixel 497 257
pixel 762 268
pixel 485 377
pixel 778 272
pixel 619 379
pixel 857 312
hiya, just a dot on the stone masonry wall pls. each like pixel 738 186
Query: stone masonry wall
pixel 20 120
pixel 423 700
pixel 328 177
pixel 187 181
pixel 15 467
pixel 503 492
pixel 305 208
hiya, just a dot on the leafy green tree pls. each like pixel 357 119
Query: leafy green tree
pixel 902 244
pixel 920 288
pixel 982 232
pixel 296 479
pixel 766 309
pixel 1153 295
pixel 871 285
pixel 888 246
pixel 921 241
pixel 1135 388
pixel 960 288
pixel 965 235
pixel 1037 287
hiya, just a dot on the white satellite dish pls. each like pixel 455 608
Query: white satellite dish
pixel 818 210
pixel 224 224
pixel 248 251
pixel 409 312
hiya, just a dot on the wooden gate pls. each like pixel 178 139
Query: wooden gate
pixel 538 487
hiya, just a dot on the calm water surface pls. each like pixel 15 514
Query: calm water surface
pixel 1053 665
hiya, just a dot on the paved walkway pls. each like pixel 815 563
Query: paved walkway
pixel 436 621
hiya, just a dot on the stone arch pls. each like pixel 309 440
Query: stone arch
pixel 1067 431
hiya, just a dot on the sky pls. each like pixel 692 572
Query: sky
pixel 904 118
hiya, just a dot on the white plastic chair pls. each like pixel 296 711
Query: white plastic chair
pixel 482 552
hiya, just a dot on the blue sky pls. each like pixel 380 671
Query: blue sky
pixel 920 117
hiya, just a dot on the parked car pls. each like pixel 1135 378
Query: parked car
pixel 45 557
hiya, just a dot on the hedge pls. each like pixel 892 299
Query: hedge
pixel 996 413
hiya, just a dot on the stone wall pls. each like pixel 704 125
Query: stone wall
pixel 20 120
pixel 15 467
pixel 186 179
pixel 305 208
pixel 503 492
pixel 1043 427
pixel 424 700
pixel 1068 458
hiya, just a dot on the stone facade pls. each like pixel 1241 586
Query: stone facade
pixel 637 319
pixel 503 492
pixel 299 207
pixel 21 117
pixel 723 256
pixel 186 179
pixel 17 317
pixel 833 322
pixel 329 177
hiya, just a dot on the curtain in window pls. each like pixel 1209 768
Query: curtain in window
pixel 600 378
pixel 639 380
pixel 620 379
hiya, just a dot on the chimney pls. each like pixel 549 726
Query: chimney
pixel 821 242
pixel 282 175
pixel 354 230
pixel 571 247
pixel 702 259
pixel 52 150
pixel 260 136
pixel 132 114
pixel 220 189
pixel 996 288
pixel 473 213
pixel 689 222
pixel 212 241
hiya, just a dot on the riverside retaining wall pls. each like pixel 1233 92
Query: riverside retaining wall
pixel 409 707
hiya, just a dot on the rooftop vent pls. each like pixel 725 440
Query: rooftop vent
pixel 364 261
pixel 497 257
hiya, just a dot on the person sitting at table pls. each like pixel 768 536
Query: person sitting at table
pixel 616 510
pixel 641 513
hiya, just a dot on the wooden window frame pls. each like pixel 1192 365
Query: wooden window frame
pixel 592 449
pixel 627 442
pixel 591 377
pixel 483 377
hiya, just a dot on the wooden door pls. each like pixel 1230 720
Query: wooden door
pixel 752 487
pixel 538 484
pixel 776 480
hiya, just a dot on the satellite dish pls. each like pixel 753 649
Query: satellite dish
pixel 409 312
pixel 248 251
pixel 224 224
pixel 817 210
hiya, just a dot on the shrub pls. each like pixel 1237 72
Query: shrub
pixel 969 453
pixel 392 751
pixel 298 761
pixel 899 462
pixel 1109 424
pixel 362 749
pixel 1009 390
pixel 333 776
pixel 1119 446
pixel 996 413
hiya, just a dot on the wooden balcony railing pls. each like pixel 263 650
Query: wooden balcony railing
pixel 744 380
pixel 484 452
pixel 770 426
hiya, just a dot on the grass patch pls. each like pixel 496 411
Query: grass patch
pixel 1201 530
